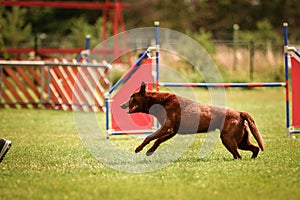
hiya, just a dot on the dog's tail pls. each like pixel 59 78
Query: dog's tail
pixel 253 129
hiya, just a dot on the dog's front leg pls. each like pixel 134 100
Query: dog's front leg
pixel 170 134
pixel 158 134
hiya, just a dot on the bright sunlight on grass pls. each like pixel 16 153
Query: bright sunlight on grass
pixel 48 160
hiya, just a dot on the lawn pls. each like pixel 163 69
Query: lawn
pixel 49 161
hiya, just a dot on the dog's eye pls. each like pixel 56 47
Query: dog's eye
pixel 131 100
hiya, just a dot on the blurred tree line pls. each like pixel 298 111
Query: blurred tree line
pixel 259 20
pixel 216 16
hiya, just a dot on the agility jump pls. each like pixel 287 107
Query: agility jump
pixel 139 123
pixel 290 53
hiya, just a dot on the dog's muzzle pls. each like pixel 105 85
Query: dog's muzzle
pixel 125 105
pixel 132 109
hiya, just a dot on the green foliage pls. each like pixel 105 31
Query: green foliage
pixel 260 21
pixel 173 14
pixel 204 38
pixel 216 17
pixel 264 33
pixel 80 28
pixel 117 73
pixel 14 29
pixel 68 27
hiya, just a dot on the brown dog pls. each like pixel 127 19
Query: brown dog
pixel 183 116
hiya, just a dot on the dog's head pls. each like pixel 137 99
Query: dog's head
pixel 137 101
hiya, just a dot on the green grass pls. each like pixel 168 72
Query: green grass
pixel 48 160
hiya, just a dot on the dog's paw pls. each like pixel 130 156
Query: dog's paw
pixel 149 153
pixel 255 153
pixel 138 149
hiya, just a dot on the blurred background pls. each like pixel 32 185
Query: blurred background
pixel 244 36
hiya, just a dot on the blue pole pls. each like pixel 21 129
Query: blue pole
pixel 156 24
pixel 87 42
pixel 107 115
pixel 297 53
pixel 87 45
pixel 156 27
pixel 286 64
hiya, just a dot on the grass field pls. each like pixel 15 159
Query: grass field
pixel 48 160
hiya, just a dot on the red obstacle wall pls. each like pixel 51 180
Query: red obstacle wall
pixel 121 120
pixel 296 91
pixel 55 85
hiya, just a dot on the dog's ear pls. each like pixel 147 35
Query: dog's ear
pixel 143 89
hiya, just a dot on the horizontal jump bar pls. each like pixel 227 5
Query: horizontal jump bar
pixel 45 63
pixel 131 132
pixel 274 84
pixel 295 131
pixel 50 103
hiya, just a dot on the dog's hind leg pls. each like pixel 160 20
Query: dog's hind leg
pixel 158 142
pixel 245 144
pixel 230 143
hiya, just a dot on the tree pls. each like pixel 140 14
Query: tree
pixel 173 14
pixel 79 28
pixel 204 38
pixel 15 30
pixel 264 33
